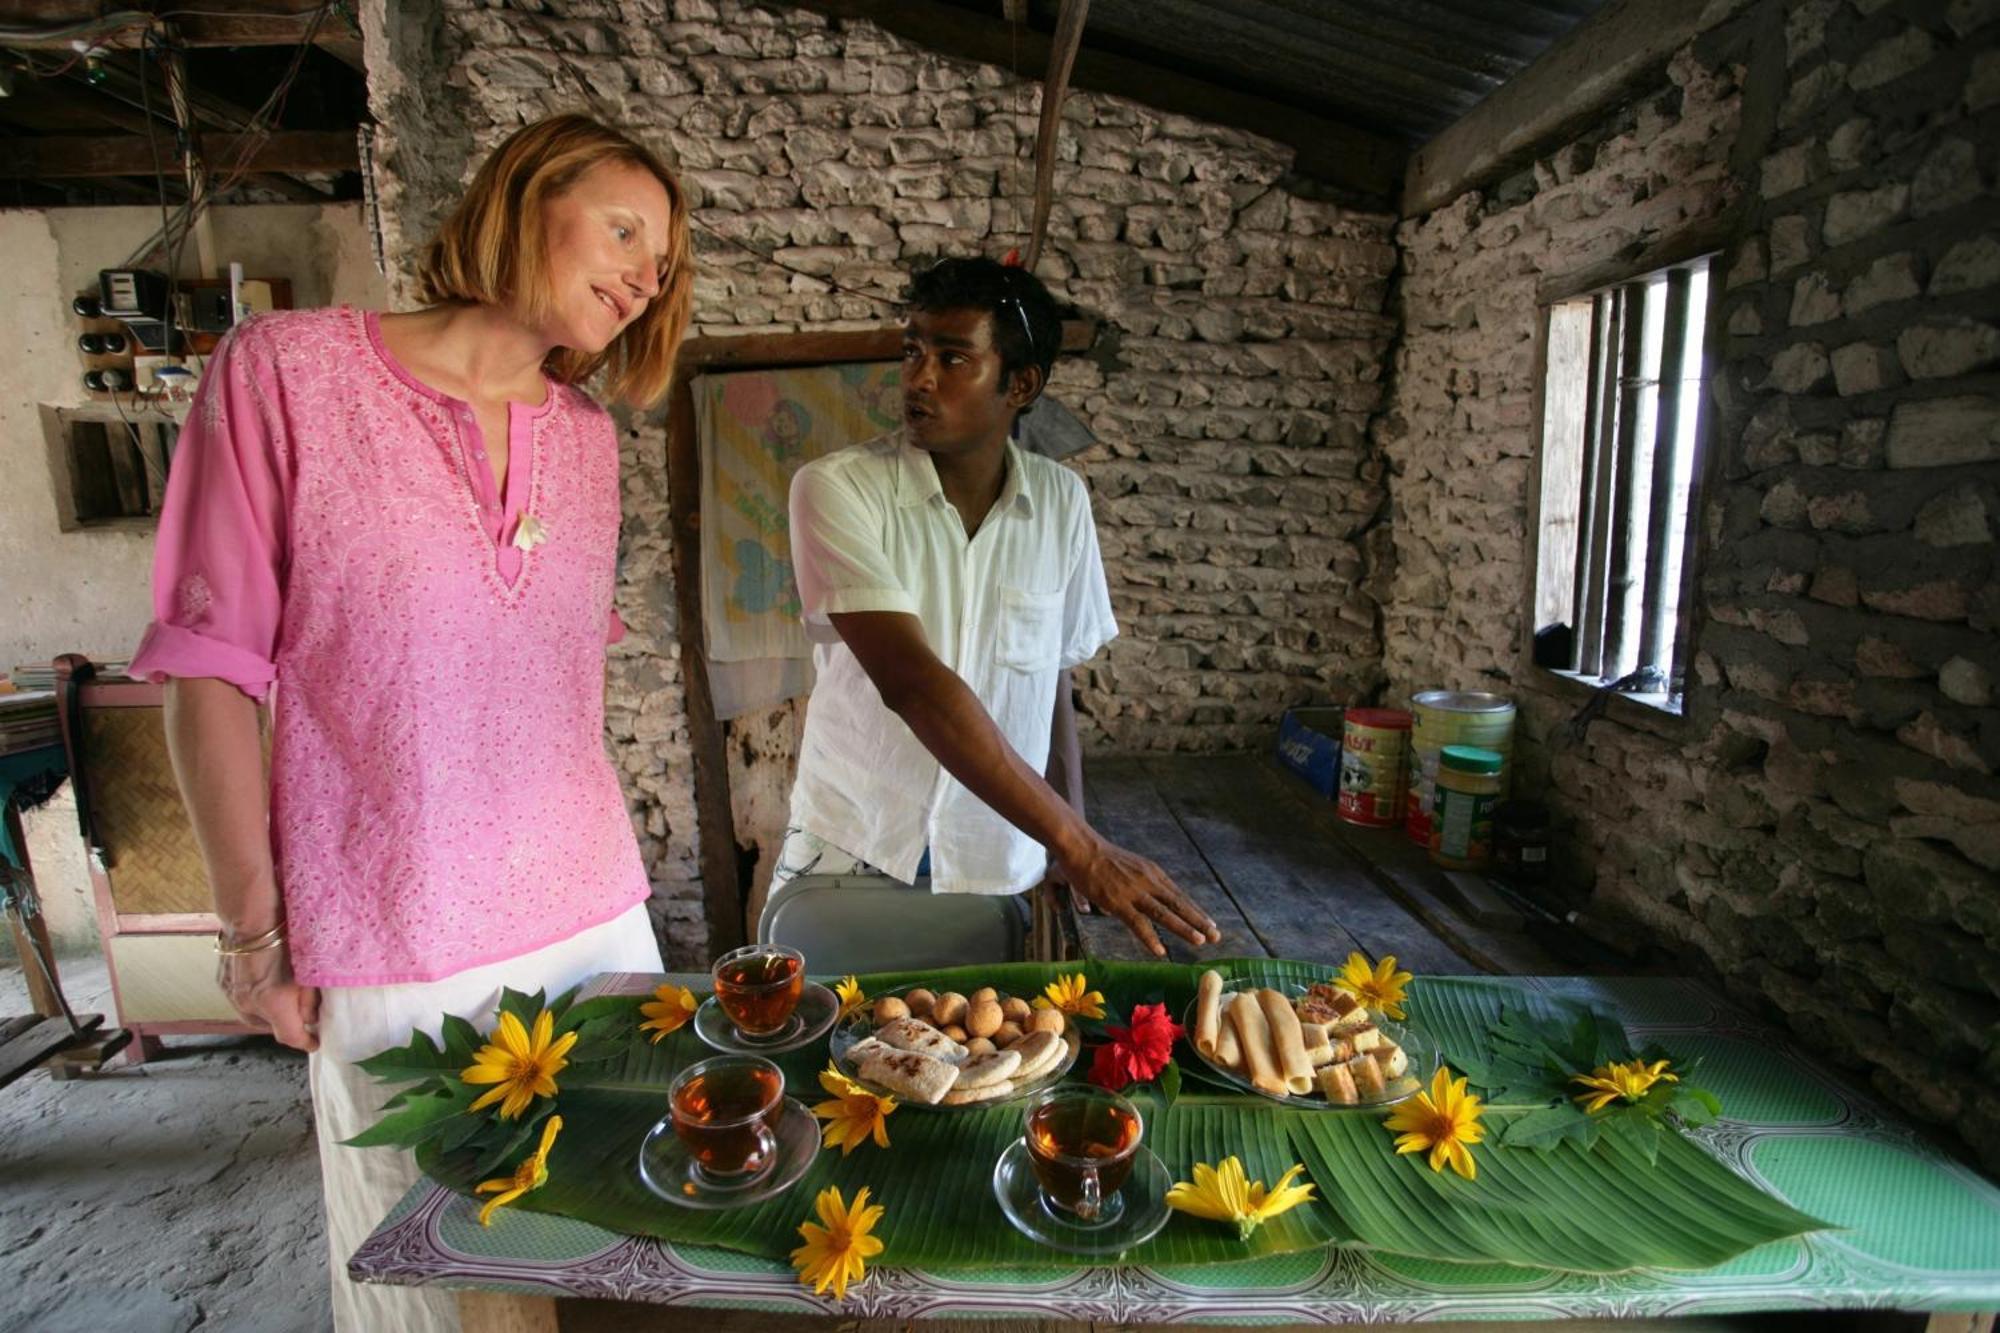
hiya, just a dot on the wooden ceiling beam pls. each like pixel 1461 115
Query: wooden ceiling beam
pixel 72 156
pixel 220 23
pixel 1341 155
pixel 1603 59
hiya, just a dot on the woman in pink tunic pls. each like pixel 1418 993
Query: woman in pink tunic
pixel 402 531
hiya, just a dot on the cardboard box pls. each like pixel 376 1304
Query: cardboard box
pixel 1309 745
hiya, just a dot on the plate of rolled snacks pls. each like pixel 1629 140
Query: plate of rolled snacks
pixel 1310 1046
pixel 946 1050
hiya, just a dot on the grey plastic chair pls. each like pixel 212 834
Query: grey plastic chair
pixel 863 923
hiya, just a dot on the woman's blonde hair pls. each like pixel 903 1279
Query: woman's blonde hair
pixel 492 250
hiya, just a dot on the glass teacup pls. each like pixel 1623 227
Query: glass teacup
pixel 758 987
pixel 1082 1143
pixel 726 1112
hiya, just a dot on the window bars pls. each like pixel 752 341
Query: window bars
pixel 1622 402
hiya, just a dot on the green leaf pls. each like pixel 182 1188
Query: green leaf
pixel 1544 1128
pixel 1697 1106
pixel 461 1041
pixel 461 1131
pixel 420 1059
pixel 1636 1130
pixel 1170 1082
pixel 605 1010
pixel 505 1148
pixel 523 1007
pixel 412 1123
pixel 1563 1207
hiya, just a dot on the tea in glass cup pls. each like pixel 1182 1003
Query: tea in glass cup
pixel 726 1112
pixel 1081 1143
pixel 759 986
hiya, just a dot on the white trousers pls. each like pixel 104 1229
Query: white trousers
pixel 361 1185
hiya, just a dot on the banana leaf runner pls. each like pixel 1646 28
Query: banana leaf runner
pixel 1602 1210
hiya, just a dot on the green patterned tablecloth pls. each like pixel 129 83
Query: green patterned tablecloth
pixel 1919 1231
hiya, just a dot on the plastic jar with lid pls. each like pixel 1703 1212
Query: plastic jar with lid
pixel 1468 787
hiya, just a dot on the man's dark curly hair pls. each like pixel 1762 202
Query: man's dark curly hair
pixel 1027 326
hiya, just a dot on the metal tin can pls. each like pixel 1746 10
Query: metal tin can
pixel 1374 750
pixel 1451 717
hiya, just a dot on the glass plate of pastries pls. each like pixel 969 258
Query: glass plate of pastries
pixel 945 1050
pixel 1307 1045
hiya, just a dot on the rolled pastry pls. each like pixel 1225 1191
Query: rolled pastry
pixel 1287 1042
pixel 1228 1051
pixel 1208 1012
pixel 1253 1033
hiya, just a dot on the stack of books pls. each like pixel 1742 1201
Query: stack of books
pixel 28 721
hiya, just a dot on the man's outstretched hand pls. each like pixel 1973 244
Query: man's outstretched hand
pixel 1138 893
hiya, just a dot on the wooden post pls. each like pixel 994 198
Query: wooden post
pixel 721 877
pixel 1623 570
pixel 34 941
pixel 1597 557
pixel 1582 615
pixel 1655 631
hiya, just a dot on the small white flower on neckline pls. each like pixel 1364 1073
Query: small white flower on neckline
pixel 529 533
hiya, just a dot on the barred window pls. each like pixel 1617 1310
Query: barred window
pixel 1621 410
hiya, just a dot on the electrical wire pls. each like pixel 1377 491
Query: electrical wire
pixel 257 130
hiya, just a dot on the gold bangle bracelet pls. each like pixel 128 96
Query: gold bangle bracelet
pixel 268 940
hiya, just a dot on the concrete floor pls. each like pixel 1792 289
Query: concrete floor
pixel 179 1194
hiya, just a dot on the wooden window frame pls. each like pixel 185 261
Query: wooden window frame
pixel 1709 240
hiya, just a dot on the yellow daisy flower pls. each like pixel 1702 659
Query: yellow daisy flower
pixel 1607 1083
pixel 530 1174
pixel 1379 988
pixel 668 1011
pixel 1226 1194
pixel 1445 1121
pixel 521 1067
pixel 852 997
pixel 854 1115
pixel 836 1252
pixel 1072 995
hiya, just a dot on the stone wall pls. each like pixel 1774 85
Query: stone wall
pixel 1237 496
pixel 1822 828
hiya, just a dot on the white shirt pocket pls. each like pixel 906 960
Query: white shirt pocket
pixel 1030 629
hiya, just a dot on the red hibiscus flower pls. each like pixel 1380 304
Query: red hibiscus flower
pixel 1138 1053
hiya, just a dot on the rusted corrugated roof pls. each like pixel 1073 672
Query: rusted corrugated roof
pixel 1401 68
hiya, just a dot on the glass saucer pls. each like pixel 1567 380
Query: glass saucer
pixel 818 1007
pixel 666 1168
pixel 1143 1195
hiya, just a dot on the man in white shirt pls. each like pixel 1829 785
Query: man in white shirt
pixel 949 581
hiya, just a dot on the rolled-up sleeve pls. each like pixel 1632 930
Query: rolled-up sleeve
pixel 219 560
pixel 838 552
pixel 1088 621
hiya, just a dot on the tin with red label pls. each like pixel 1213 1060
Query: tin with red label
pixel 1374 758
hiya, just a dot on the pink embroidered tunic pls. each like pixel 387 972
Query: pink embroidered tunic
pixel 440 793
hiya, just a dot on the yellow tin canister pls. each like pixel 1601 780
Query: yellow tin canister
pixel 1451 717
